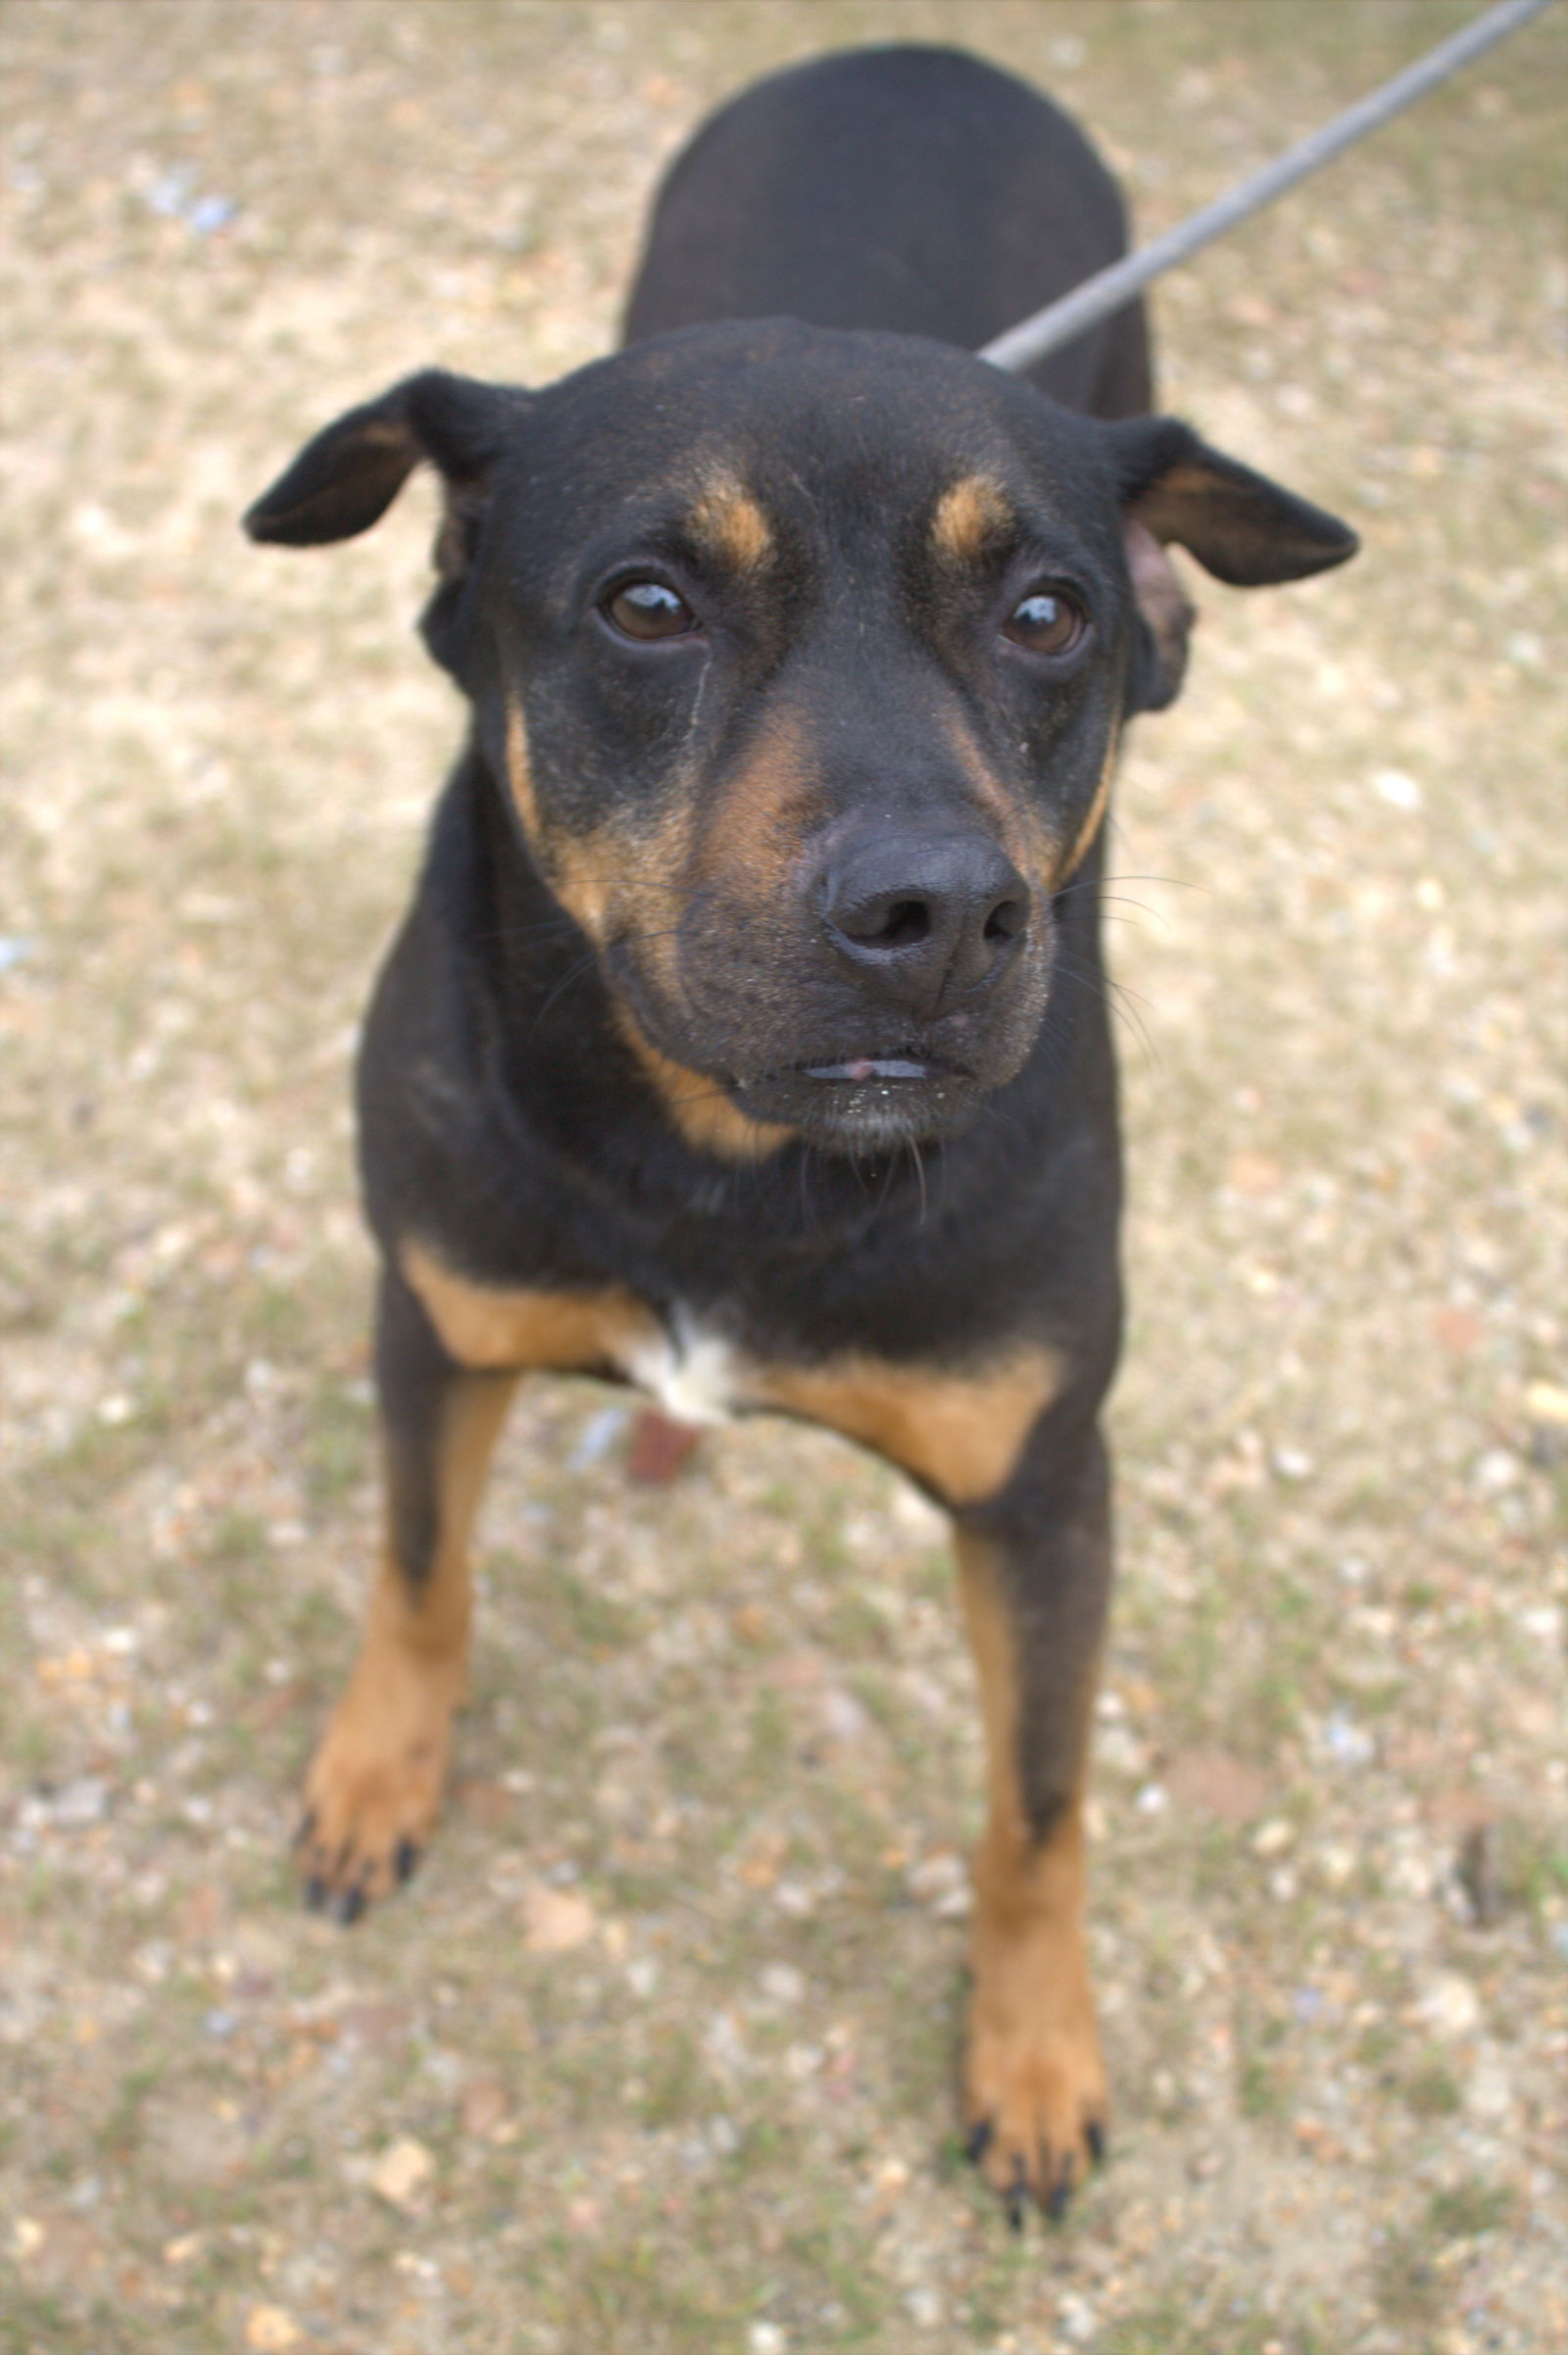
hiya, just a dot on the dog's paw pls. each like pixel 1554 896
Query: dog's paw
pixel 372 1794
pixel 1035 2101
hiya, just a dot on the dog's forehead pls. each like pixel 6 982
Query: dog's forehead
pixel 723 429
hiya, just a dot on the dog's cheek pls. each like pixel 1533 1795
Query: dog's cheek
pixel 616 865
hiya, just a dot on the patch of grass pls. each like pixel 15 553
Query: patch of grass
pixel 1260 2087
pixel 769 1736
pixel 1465 2210
pixel 335 1454
pixel 674 2084
pixel 1405 2284
pixel 856 1628
pixel 1434 2091
pixel 576 1614
pixel 1535 1871
pixel 839 2268
pixel 30 2323
pixel 1179 2327
pixel 1376 2045
pixel 636 2294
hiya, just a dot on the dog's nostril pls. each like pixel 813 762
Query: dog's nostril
pixel 885 922
pixel 1006 921
pixel 907 920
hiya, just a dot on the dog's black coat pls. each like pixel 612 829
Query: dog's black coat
pixel 907 189
pixel 754 972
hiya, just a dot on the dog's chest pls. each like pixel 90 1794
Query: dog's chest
pixel 693 1373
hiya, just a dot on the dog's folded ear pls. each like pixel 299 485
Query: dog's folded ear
pixel 1242 527
pixel 345 478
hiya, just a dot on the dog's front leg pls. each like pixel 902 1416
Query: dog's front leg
pixel 1035 1576
pixel 376 1782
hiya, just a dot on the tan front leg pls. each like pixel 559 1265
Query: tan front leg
pixel 375 1783
pixel 1034 2082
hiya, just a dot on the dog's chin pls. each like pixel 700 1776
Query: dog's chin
pixel 864 1105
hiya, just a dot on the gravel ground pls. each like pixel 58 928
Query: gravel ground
pixel 658 2053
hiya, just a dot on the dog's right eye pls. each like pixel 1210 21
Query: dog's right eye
pixel 647 608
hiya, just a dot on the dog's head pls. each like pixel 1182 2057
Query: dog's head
pixel 803 657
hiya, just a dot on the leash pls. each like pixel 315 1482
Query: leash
pixel 1047 330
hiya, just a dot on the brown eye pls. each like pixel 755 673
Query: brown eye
pixel 1047 622
pixel 646 608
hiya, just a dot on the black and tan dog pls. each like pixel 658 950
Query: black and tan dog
pixel 798 643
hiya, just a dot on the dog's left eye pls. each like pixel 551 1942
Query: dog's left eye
pixel 1048 623
pixel 647 608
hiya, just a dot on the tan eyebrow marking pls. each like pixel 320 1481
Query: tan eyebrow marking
pixel 969 513
pixel 728 520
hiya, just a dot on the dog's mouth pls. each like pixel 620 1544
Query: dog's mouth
pixel 866 1102
pixel 863 1067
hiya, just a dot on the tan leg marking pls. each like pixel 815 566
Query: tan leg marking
pixel 1034 2083
pixel 497 1329
pixel 374 1785
pixel 959 1433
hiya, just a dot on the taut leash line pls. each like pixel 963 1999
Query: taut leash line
pixel 1047 330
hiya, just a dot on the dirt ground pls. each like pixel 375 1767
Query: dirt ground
pixel 656 2057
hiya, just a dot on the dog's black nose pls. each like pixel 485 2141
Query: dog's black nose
pixel 922 917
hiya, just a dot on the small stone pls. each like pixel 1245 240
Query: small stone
pixel 916 1517
pixel 783 1984
pixel 1076 2319
pixel 402 2172
pixel 1547 1402
pixel 1347 1741
pixel 555 1919
pixel 1254 1173
pixel 272 2332
pixel 887 2186
pixel 1214 1783
pixel 844 1719
pixel 484 2106
pixel 1273 1837
pixel 923 2307
pixel 1335 1863
pixel 937 1879
pixel 766 2338
pixel 79 1803
pixel 1499 1469
pixel 1490 2094
pixel 1450 2006
pixel 1399 790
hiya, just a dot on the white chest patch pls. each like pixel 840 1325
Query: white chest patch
pixel 693 1374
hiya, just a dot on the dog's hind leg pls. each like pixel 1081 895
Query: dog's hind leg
pixel 374 1785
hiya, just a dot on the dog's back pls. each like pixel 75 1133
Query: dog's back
pixel 910 189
